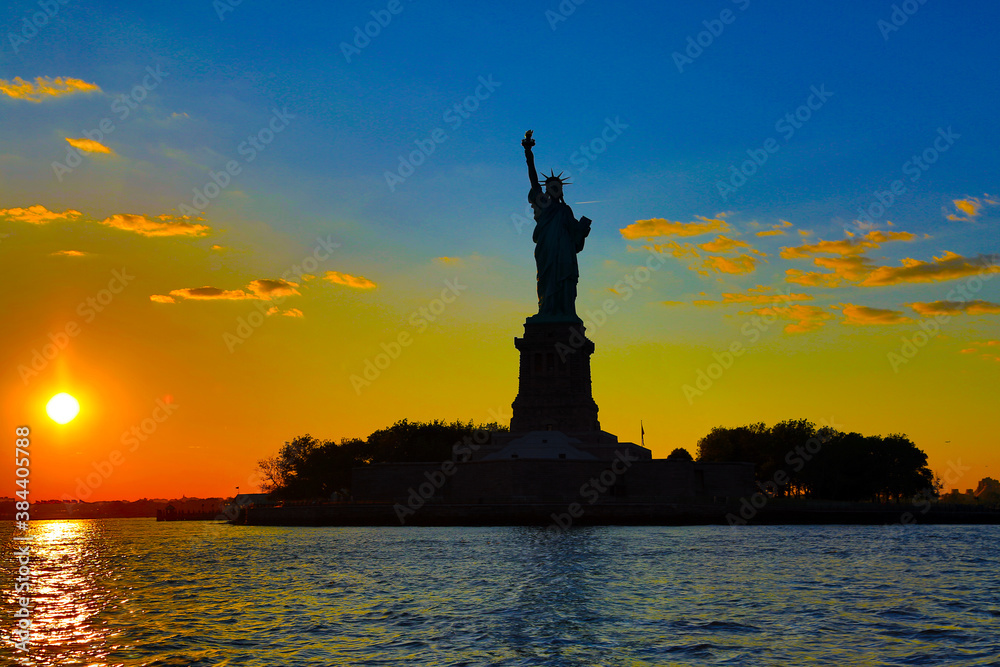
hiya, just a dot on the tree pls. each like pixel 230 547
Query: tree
pixel 680 454
pixel 308 468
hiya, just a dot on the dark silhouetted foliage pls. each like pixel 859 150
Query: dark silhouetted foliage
pixel 309 468
pixel 680 454
pixel 794 458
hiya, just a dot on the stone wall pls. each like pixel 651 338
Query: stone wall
pixel 525 481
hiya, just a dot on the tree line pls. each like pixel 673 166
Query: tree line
pixel 308 467
pixel 795 458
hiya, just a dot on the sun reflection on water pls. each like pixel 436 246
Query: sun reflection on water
pixel 71 592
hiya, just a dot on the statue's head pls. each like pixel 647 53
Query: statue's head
pixel 554 185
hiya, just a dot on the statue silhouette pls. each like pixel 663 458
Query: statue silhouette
pixel 558 237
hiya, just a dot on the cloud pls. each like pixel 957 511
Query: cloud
pixel 358 282
pixel 674 248
pixel 979 347
pixel 263 289
pixel 863 315
pixel 38 214
pixel 723 244
pixel 68 253
pixel 164 225
pixel 217 247
pixel 267 289
pixel 805 318
pixel 975 307
pixel 291 312
pixel 948 267
pixel 45 87
pixel 845 247
pixel 849 269
pixel 448 261
pixel 970 207
pixel 759 295
pixel 656 227
pixel 90 146
pixel 209 294
pixel 776 230
pixel 673 303
pixel 734 265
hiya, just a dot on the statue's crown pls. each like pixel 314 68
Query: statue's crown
pixel 553 177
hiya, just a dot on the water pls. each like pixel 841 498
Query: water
pixel 137 592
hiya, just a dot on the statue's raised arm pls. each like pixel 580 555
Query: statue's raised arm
pixel 528 142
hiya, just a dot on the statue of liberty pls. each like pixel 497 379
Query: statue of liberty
pixel 558 237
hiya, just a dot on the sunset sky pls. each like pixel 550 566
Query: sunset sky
pixel 214 217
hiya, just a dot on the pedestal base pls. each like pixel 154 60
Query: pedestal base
pixel 554 390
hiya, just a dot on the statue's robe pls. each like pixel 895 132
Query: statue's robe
pixel 558 237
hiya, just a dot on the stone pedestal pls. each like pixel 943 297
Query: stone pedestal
pixel 554 390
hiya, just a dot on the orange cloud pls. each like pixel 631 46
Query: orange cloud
pixel 975 307
pixel 806 318
pixel 264 289
pixel 948 267
pixel 734 265
pixel 849 269
pixel 358 282
pixel 676 249
pixel 89 146
pixel 756 295
pixel 45 87
pixel 164 225
pixel 38 214
pixel 723 244
pixel 208 294
pixel 863 315
pixel 68 253
pixel 267 289
pixel 655 227
pixel 448 261
pixel 161 298
pixel 845 247
pixel 970 207
pixel 776 230
pixel 291 312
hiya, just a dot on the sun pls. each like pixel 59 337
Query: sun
pixel 62 408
